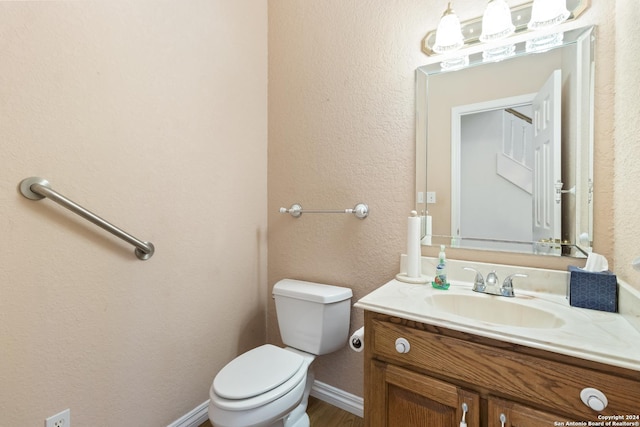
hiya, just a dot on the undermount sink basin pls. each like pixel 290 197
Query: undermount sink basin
pixel 494 309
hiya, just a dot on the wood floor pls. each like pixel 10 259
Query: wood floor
pixel 322 414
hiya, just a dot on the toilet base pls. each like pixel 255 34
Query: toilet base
pixel 298 417
pixel 302 422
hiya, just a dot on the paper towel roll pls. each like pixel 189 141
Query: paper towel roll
pixel 356 341
pixel 414 225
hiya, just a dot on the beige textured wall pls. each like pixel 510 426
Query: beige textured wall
pixel 627 146
pixel 341 131
pixel 153 115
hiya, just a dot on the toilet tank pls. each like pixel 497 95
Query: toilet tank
pixel 312 317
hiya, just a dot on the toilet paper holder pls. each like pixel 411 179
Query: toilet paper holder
pixel 356 340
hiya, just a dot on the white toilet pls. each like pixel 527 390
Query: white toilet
pixel 269 385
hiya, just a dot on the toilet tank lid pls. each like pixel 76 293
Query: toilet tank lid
pixel 309 291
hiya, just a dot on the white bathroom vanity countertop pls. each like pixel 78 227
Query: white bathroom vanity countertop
pixel 588 334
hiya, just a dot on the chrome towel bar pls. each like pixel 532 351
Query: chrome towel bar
pixel 35 188
pixel 360 210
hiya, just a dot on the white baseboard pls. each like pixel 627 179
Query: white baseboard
pixel 332 395
pixel 194 418
pixel 338 398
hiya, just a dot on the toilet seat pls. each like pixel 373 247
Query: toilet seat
pixel 258 377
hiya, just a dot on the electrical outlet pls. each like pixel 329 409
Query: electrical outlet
pixel 63 419
pixel 431 196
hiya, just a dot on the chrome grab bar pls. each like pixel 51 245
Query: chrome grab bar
pixel 361 210
pixel 35 188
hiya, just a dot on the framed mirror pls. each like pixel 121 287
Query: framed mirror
pixel 504 150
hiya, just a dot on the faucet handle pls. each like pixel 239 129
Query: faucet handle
pixel 478 283
pixel 492 279
pixel 507 285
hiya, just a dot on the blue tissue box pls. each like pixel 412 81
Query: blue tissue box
pixel 594 290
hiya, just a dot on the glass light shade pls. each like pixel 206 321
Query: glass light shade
pixel 455 63
pixel 544 43
pixel 449 33
pixel 496 21
pixel 498 54
pixel 547 13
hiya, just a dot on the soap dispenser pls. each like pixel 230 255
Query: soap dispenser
pixel 440 281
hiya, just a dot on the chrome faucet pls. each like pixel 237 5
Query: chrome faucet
pixel 492 279
pixel 507 286
pixel 478 283
pixel 491 284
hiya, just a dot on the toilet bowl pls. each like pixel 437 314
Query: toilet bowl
pixel 259 387
pixel 269 385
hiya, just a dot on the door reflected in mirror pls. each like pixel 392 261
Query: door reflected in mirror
pixel 508 150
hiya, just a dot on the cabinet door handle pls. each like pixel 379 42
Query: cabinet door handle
pixel 503 420
pixel 402 345
pixel 594 399
pixel 465 409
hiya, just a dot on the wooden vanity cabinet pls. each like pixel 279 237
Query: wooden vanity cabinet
pixel 405 398
pixel 444 369
pixel 516 415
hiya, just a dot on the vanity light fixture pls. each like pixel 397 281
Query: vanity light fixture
pixel 536 15
pixel 448 35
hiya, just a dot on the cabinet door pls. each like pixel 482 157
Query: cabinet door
pixel 516 415
pixel 402 398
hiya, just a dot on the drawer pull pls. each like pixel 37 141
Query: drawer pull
pixel 465 409
pixel 402 345
pixel 503 420
pixel 594 399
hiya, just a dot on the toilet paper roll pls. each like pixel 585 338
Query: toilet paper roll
pixel 414 225
pixel 356 341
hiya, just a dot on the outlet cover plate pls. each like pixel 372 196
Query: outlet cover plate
pixel 62 419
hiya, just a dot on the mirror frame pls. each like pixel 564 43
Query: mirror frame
pixel 578 246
